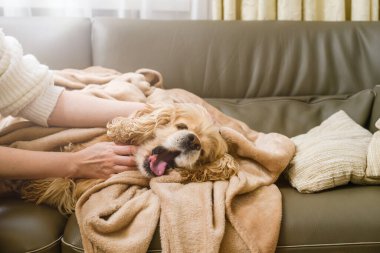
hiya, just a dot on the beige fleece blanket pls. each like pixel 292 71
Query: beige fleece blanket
pixel 121 214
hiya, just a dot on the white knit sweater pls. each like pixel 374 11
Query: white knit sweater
pixel 26 86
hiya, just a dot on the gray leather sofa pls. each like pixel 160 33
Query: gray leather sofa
pixel 276 76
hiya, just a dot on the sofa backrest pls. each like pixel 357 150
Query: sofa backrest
pixel 277 76
pixel 285 77
pixel 215 58
pixel 296 115
pixel 58 42
pixel 245 59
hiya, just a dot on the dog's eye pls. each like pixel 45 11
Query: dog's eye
pixel 181 126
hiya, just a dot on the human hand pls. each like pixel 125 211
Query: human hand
pixel 102 160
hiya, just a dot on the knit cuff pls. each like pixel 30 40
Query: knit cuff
pixel 40 109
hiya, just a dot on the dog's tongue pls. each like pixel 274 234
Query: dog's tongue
pixel 159 167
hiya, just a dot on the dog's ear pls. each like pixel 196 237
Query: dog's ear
pixel 221 169
pixel 140 127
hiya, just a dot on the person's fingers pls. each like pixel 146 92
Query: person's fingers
pixel 125 160
pixel 120 168
pixel 125 149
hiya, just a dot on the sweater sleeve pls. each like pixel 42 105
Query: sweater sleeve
pixel 26 86
pixel 40 109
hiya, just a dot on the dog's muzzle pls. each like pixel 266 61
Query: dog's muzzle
pixel 190 142
pixel 160 160
pixel 163 158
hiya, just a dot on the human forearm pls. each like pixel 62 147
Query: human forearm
pixel 22 164
pixel 78 110
pixel 100 160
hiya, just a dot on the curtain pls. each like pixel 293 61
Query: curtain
pixel 133 9
pixel 308 10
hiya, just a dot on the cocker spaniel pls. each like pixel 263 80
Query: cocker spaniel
pixel 183 137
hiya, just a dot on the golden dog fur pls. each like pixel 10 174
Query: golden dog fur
pixel 147 128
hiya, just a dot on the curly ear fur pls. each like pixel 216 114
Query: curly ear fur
pixel 140 127
pixel 222 169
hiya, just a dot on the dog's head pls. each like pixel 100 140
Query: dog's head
pixel 181 136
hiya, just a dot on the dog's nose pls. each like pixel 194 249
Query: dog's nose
pixel 192 142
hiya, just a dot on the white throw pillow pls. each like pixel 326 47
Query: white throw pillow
pixel 331 154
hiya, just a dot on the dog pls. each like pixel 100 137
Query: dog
pixel 181 136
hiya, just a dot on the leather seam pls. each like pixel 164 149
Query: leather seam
pixel 81 249
pixel 292 246
pixel 330 244
pixel 71 245
pixel 45 247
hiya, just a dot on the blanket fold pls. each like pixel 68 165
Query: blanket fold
pixel 122 213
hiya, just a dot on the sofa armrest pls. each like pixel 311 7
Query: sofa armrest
pixel 375 115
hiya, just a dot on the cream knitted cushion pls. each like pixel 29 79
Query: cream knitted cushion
pixel 331 154
pixel 373 157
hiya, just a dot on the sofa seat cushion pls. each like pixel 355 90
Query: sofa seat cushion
pixel 344 219
pixel 26 227
pixel 71 240
pixel 330 221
